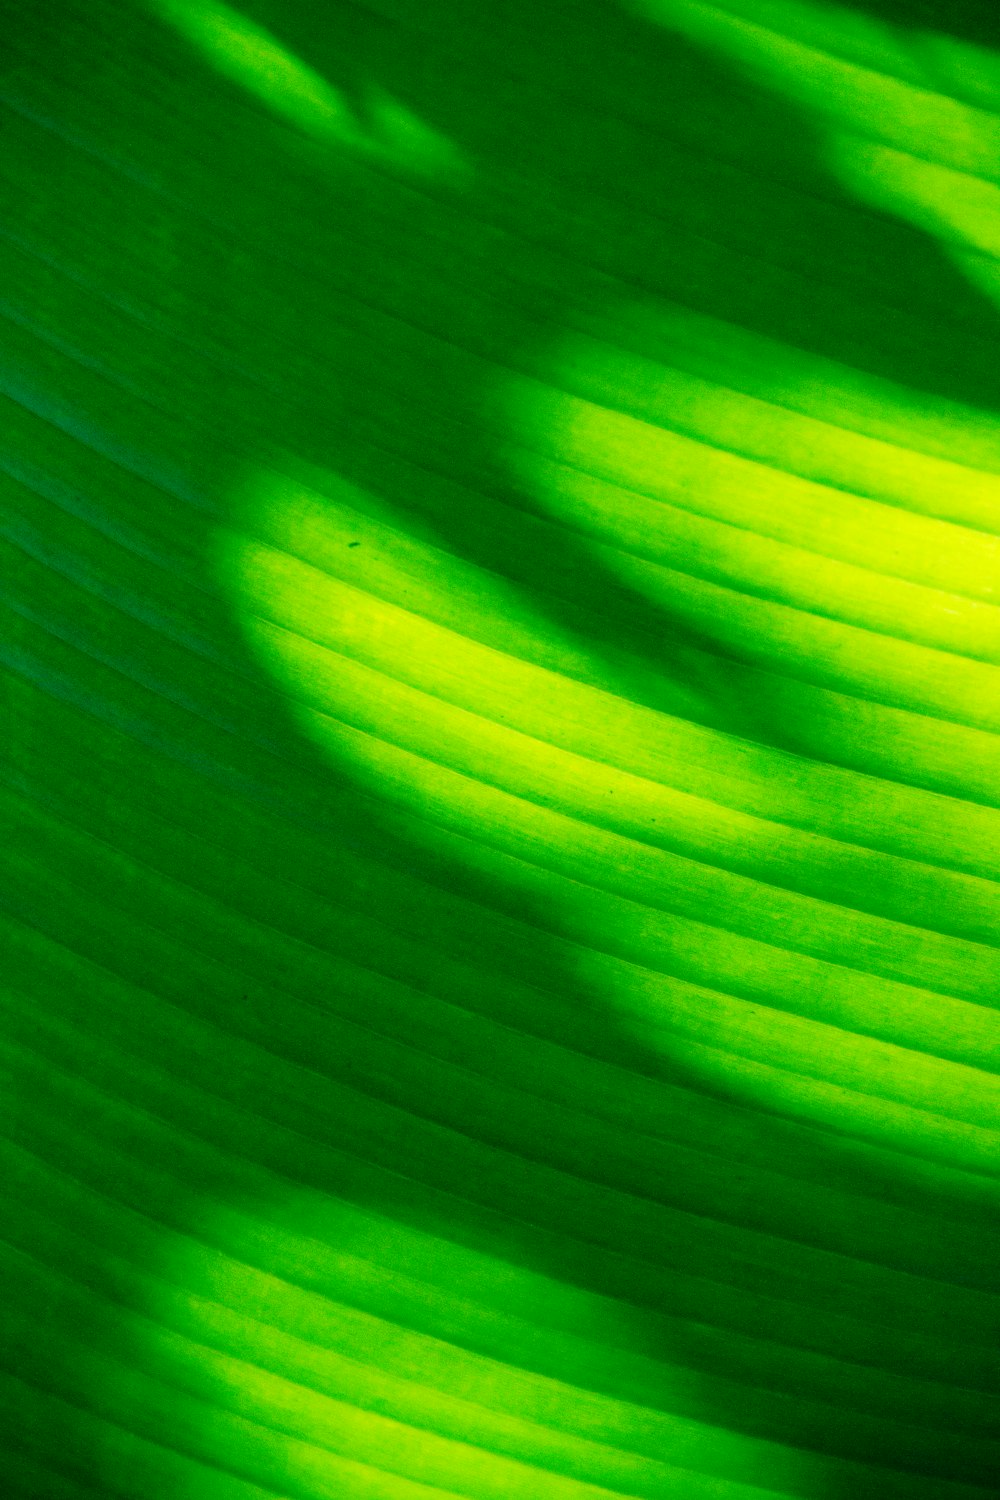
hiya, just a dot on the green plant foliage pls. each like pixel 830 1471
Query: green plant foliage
pixel 500 770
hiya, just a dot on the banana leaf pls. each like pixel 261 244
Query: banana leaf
pixel 500 769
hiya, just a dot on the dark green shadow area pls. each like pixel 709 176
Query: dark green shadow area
pixel 242 980
pixel 969 21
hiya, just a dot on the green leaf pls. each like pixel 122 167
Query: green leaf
pixel 500 783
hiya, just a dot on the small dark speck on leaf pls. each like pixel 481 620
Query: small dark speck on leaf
pixel 354 544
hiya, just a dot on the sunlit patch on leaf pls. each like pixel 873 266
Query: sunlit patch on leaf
pixel 379 128
pixel 960 210
pixel 907 121
pixel 384 654
pixel 338 1352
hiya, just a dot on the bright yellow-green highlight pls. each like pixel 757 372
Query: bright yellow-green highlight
pixel 771 603
pixel 389 653
pixel 382 129
pixel 768 466
pixel 290 1332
